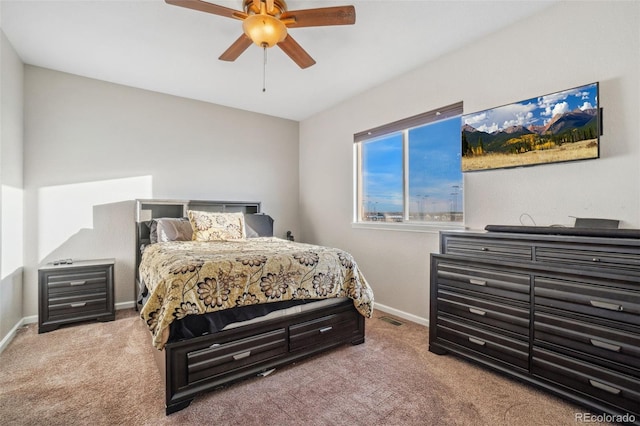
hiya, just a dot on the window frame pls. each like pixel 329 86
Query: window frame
pixel 402 126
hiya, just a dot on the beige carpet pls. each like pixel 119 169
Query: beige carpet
pixel 104 374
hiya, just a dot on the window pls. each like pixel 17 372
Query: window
pixel 409 171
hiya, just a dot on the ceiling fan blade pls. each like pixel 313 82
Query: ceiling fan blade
pixel 296 52
pixel 204 6
pixel 339 15
pixel 236 49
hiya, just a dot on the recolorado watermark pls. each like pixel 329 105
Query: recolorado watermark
pixel 604 418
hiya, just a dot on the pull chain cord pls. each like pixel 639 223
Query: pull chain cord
pixel 264 69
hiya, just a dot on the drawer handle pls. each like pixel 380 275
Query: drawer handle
pixel 606 388
pixel 477 282
pixel 605 345
pixel 477 341
pixel 78 305
pixel 477 311
pixel 606 305
pixel 78 282
pixel 237 357
pixel 326 330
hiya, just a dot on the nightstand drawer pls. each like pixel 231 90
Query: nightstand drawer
pixel 76 304
pixel 89 280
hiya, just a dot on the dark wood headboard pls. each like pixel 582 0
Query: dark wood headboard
pixel 149 209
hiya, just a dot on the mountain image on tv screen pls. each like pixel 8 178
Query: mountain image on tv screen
pixel 559 127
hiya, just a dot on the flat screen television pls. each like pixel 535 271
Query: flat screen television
pixel 558 127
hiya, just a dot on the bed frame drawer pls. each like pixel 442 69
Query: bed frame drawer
pixel 322 332
pixel 227 357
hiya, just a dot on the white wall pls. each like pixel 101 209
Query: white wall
pixel 568 45
pixel 92 147
pixel 11 194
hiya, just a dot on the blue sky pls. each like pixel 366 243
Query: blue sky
pixel 535 111
pixel 434 169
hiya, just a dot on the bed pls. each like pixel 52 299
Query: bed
pixel 225 300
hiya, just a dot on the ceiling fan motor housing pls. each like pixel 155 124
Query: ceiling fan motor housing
pixel 279 7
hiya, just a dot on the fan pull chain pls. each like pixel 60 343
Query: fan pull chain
pixel 264 70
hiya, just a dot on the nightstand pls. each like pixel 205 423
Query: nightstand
pixel 75 292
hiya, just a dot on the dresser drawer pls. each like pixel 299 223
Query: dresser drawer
pixel 229 357
pixel 495 345
pixel 487 248
pixel 606 385
pixel 621 259
pixel 328 330
pixel 502 316
pixel 484 280
pixel 604 345
pixel 589 296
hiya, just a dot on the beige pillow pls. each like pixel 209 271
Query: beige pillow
pixel 212 226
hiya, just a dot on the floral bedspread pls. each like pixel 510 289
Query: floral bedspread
pixel 193 277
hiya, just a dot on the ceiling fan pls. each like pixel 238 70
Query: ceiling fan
pixel 265 23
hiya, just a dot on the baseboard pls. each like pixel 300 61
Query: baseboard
pixel 30 319
pixel 402 314
pixel 11 334
pixel 34 319
pixel 125 305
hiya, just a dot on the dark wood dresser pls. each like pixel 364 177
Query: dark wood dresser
pixel 74 292
pixel 556 311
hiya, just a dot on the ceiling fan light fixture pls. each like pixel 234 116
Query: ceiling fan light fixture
pixel 264 30
pixel 265 23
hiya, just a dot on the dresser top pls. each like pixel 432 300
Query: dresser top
pixel 623 239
